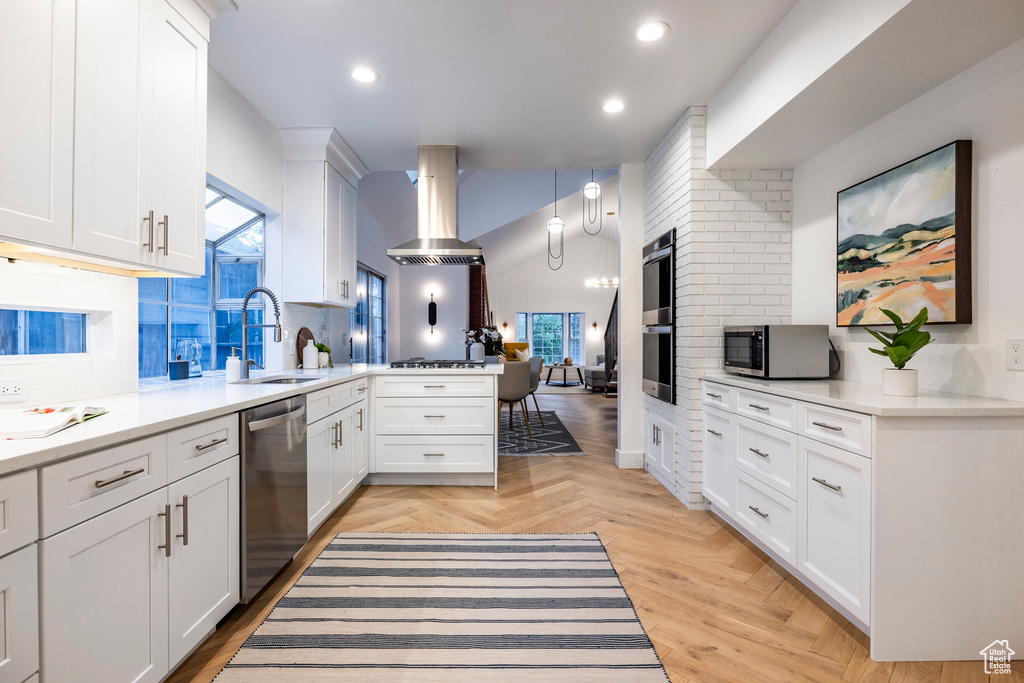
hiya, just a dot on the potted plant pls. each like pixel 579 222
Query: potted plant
pixel 324 356
pixel 899 347
pixel 491 339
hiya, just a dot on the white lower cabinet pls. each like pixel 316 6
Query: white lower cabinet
pixel 718 476
pixel 126 594
pixel 203 570
pixel 19 615
pixel 337 460
pixel 320 439
pixel 834 531
pixel 660 447
pixel 770 515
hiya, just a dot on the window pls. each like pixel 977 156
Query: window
pixel 208 309
pixel 367 319
pixel 25 332
pixel 553 336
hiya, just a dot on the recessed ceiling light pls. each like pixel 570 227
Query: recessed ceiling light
pixel 364 74
pixel 613 105
pixel 651 31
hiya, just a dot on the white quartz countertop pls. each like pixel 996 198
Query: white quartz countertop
pixel 161 405
pixel 868 398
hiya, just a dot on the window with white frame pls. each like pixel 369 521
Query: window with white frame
pixel 209 308
pixel 553 336
pixel 26 332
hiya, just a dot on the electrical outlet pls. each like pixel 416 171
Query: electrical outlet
pixel 1015 354
pixel 9 388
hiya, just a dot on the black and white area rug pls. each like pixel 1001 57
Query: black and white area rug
pixel 551 439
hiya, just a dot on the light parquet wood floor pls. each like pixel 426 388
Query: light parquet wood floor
pixel 716 608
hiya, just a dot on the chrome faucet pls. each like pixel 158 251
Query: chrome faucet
pixel 245 326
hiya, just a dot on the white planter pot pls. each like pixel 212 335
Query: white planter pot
pixel 899 382
pixel 322 358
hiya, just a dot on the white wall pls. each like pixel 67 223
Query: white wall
pixel 111 364
pixel 531 287
pixel 983 104
pixel 630 448
pixel 450 285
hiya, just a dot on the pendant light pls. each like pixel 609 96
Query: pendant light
pixel 556 226
pixel 593 203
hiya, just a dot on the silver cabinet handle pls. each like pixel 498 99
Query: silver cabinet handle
pixel 149 219
pixel 433 386
pixel 167 228
pixel 712 431
pixel 166 514
pixel 334 435
pixel 361 389
pixel 714 395
pixel 341 434
pixel 824 425
pixel 757 452
pixel 435 416
pixel 825 483
pixel 206 447
pixel 433 455
pixel 184 520
pixel 757 407
pixel 764 515
pixel 127 474
pixel 360 419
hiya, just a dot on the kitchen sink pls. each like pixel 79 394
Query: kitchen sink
pixel 279 380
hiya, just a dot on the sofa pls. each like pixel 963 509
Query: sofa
pixel 594 375
pixel 512 347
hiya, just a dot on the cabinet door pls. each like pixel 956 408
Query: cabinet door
pixel 361 447
pixel 203 572
pixel 334 214
pixel 834 524
pixel 320 439
pixel 37 72
pixel 113 129
pixel 179 141
pixel 343 457
pixel 19 615
pixel 347 259
pixel 104 596
pixel 718 476
pixel 659 450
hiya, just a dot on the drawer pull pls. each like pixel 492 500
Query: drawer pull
pixel 201 448
pixel 439 417
pixel 714 395
pixel 184 520
pixel 433 386
pixel 127 474
pixel 360 419
pixel 757 407
pixel 764 515
pixel 361 389
pixel 713 432
pixel 824 425
pixel 166 514
pixel 433 455
pixel 825 483
pixel 757 452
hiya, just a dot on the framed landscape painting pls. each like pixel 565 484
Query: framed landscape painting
pixel 904 241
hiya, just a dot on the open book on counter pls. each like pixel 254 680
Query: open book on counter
pixel 39 422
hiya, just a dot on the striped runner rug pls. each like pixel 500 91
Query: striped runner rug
pixel 452 607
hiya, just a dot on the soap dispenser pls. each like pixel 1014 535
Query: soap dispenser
pixel 234 367
pixel 310 356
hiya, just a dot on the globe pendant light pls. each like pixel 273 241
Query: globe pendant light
pixel 556 226
pixel 593 204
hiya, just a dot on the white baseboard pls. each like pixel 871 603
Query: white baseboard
pixel 629 460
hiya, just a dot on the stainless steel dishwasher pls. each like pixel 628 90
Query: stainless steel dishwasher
pixel 273 490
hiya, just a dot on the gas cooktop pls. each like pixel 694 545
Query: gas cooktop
pixel 432 364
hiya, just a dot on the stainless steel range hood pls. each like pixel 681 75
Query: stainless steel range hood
pixel 437 242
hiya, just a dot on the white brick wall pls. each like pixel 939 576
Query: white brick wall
pixel 733 231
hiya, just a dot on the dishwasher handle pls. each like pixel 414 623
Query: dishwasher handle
pixel 278 420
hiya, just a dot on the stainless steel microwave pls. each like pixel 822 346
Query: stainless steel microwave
pixel 777 351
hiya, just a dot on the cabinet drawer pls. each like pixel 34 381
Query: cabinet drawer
pixel 19 512
pixel 19 614
pixel 435 454
pixel 835 524
pixel 768 454
pixel 773 410
pixel 75 490
pixel 320 404
pixel 414 385
pixel 435 416
pixel 719 396
pixel 842 428
pixel 198 446
pixel 768 515
pixel 719 446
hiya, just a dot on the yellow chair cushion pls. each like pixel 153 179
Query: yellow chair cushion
pixel 512 347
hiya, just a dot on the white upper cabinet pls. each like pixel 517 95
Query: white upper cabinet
pixel 140 135
pixel 320 177
pixel 37 71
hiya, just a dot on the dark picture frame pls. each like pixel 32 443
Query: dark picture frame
pixel 903 241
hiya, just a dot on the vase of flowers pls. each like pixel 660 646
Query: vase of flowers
pixel 490 338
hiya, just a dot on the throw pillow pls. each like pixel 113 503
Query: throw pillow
pixel 522 355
